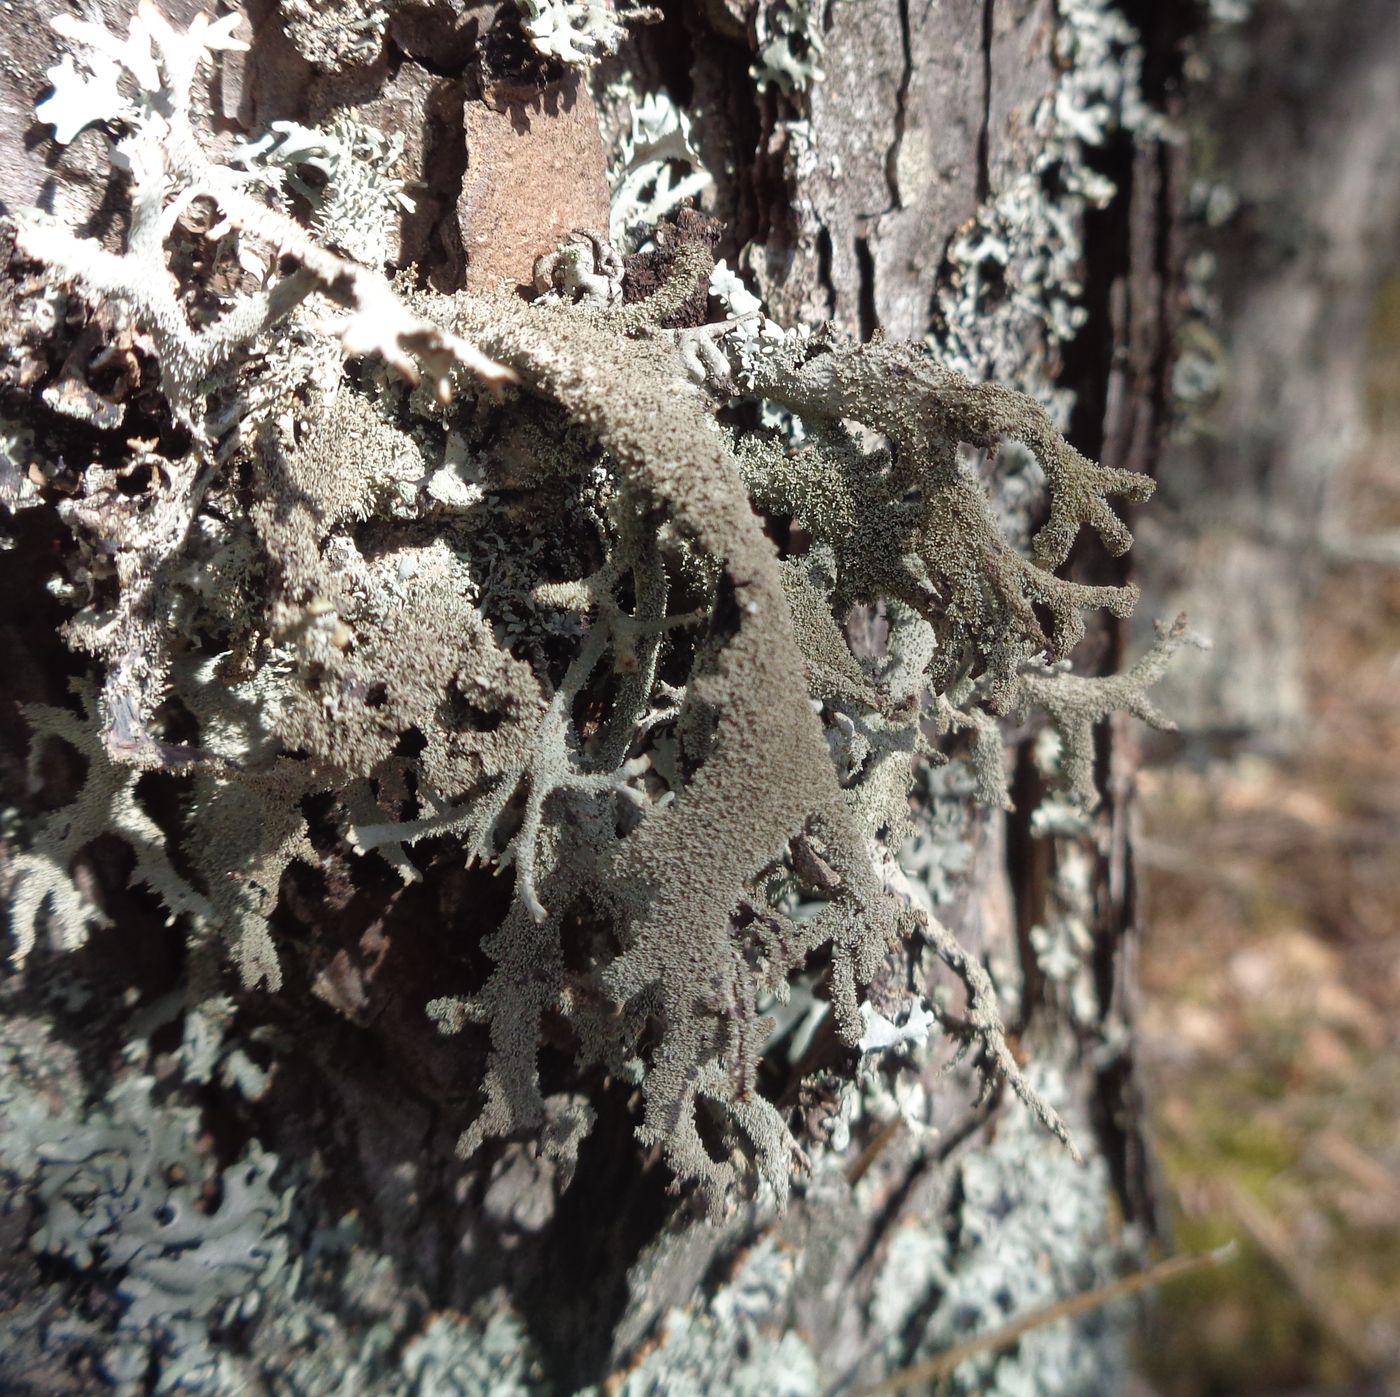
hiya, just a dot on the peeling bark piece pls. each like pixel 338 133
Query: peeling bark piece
pixel 535 172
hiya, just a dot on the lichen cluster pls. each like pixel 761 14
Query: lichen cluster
pixel 580 32
pixel 789 41
pixel 540 614
pixel 1025 1231
pixel 1011 296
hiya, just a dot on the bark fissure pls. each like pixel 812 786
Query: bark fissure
pixel 984 137
pixel 901 115
pixel 869 318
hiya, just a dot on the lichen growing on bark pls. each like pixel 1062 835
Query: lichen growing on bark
pixel 538 614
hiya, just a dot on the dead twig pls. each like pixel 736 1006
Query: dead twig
pixel 942 1365
pixel 1340 1326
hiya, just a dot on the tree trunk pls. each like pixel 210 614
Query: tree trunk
pixel 995 179
pixel 1294 220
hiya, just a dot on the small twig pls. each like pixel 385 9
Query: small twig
pixel 874 1150
pixel 1343 548
pixel 1370 1174
pixel 942 1365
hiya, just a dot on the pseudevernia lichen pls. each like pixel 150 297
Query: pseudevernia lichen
pixel 538 614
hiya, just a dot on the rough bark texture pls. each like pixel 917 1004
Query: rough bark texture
pixel 844 201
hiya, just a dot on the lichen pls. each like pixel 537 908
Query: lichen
pixel 789 42
pixel 656 166
pixel 353 195
pixel 454 1356
pixel 580 32
pixel 1011 294
pixel 120 1193
pixel 42 888
pixel 1027 1231
pixel 736 1341
pixel 335 35
pixel 537 619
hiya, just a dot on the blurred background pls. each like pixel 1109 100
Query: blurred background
pixel 1269 850
pixel 1271 984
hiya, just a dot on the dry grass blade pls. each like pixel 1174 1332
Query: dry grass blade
pixel 942 1365
pixel 1276 1244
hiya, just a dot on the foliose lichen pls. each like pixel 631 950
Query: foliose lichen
pixel 655 168
pixel 1011 295
pixel 736 1341
pixel 580 32
pixel 789 43
pixel 121 1191
pixel 1027 1232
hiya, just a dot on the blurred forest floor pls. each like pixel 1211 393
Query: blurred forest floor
pixel 1271 991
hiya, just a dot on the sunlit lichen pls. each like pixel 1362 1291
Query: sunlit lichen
pixel 547 624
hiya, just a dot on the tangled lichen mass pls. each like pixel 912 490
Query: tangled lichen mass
pixel 546 622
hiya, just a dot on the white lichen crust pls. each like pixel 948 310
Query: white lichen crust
pixel 580 32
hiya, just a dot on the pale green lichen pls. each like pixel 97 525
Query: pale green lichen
pixel 580 32
pixel 43 889
pixel 169 1269
pixel 354 198
pixel 656 167
pixel 1025 1232
pixel 120 1193
pixel 1011 293
pixel 454 1356
pixel 789 39
pixel 735 1341
pixel 337 34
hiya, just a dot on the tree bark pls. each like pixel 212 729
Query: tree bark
pixel 1294 150
pixel 989 175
